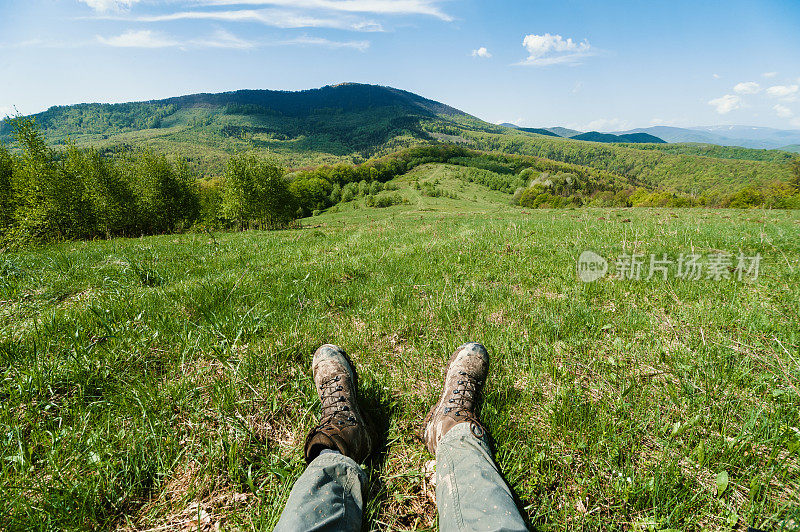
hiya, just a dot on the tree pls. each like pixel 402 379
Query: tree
pixel 349 191
pixel 109 192
pixel 256 191
pixel 795 182
pixel 166 195
pixel 50 196
pixel 6 191
pixel 336 194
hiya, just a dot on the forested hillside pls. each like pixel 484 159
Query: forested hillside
pixel 633 138
pixel 692 174
pixel 352 123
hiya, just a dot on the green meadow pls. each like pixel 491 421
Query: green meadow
pixel 164 383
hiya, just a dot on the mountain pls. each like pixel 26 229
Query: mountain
pixel 538 131
pixel 563 131
pixel 300 128
pixel 744 136
pixel 794 148
pixel 635 138
pixel 350 123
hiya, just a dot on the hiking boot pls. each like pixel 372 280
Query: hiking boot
pixel 463 384
pixel 342 426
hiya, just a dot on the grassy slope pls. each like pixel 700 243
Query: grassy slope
pixel 144 376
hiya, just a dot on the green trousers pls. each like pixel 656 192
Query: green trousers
pixel 470 493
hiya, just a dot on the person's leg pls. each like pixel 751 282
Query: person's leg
pixel 329 495
pixel 470 493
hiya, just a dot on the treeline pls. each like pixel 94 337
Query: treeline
pixel 98 118
pixel 564 189
pixel 48 194
pixel 719 152
pixel 713 178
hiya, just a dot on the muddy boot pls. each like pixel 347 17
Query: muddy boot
pixel 463 384
pixel 342 426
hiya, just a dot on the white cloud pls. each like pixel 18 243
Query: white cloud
pixel 223 39
pixel 481 52
pixel 383 7
pixel 783 91
pixel 783 111
pixel 278 18
pixel 325 43
pixel 666 122
pixel 726 104
pixel 795 122
pixel 606 124
pixel 715 76
pixel 769 74
pixel 748 87
pixel 109 5
pixel 550 49
pixel 219 39
pixel 578 87
pixel 6 110
pixel 49 43
pixel 139 39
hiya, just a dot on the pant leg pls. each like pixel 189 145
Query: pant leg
pixel 470 493
pixel 328 496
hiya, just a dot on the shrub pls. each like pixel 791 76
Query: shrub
pixel 387 200
pixel 349 192
pixel 336 194
pixel 745 199
pixel 536 197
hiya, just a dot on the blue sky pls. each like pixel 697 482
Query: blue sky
pixel 586 64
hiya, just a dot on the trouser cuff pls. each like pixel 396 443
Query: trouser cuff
pixel 467 431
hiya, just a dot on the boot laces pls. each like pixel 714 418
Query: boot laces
pixel 465 398
pixel 334 411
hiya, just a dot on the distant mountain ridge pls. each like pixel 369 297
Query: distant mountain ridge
pixel 744 136
pixel 591 136
pixel 634 138
pixel 563 131
pixel 538 131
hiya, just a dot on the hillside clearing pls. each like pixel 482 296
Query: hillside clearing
pixel 160 381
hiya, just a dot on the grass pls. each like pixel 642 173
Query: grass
pixel 165 381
